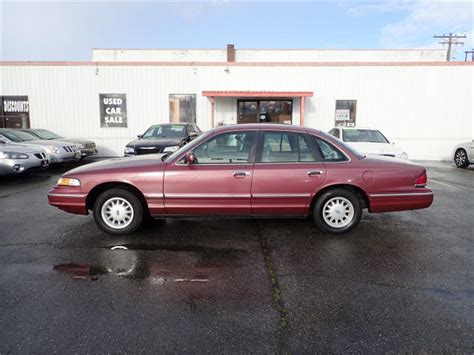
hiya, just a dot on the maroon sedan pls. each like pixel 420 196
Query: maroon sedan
pixel 245 170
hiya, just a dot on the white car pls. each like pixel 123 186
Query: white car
pixel 464 154
pixel 368 141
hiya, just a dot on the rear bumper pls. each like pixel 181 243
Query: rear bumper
pixel 68 200
pixel 387 202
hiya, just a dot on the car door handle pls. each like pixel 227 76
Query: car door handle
pixel 314 172
pixel 240 174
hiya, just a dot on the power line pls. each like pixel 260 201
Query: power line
pixel 450 40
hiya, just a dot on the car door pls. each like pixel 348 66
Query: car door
pixel 218 182
pixel 286 174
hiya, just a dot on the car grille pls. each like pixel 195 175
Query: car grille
pixel 89 145
pixel 147 150
pixel 40 155
pixel 70 148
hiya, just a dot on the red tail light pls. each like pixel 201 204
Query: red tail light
pixel 421 180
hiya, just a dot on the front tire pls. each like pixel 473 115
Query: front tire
pixel 460 158
pixel 337 211
pixel 118 211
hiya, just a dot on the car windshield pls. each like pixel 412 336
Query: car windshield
pixel 166 131
pixel 45 134
pixel 18 136
pixel 190 146
pixel 363 135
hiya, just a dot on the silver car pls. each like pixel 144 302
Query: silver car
pixel 60 152
pixel 87 147
pixel 17 158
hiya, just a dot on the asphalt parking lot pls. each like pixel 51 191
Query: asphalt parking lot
pixel 401 282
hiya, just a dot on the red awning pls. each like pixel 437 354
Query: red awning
pixel 257 93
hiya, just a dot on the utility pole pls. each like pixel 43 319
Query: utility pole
pixel 471 53
pixel 450 40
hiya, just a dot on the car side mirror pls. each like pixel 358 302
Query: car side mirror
pixel 140 136
pixel 192 135
pixel 190 158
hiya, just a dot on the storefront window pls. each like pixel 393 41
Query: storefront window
pixel 14 112
pixel 346 113
pixel 275 111
pixel 182 108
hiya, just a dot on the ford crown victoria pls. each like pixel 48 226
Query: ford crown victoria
pixel 245 170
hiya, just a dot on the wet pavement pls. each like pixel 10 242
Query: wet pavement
pixel 400 282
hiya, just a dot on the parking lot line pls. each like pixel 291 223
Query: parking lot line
pixel 441 183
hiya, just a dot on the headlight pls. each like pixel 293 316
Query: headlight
pixel 68 182
pixel 13 155
pixel 129 150
pixel 52 149
pixel 403 156
pixel 172 148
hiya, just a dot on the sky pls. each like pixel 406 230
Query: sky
pixel 67 30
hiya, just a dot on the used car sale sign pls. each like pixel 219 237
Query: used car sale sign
pixel 113 110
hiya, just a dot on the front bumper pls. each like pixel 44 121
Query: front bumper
pixel 65 157
pixel 68 199
pixel 18 166
pixel 400 201
pixel 86 152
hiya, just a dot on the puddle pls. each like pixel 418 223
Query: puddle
pixel 196 265
pixel 182 248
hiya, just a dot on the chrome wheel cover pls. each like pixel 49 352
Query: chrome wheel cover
pixel 338 212
pixel 117 213
pixel 460 158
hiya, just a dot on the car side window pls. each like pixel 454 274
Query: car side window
pixel 328 152
pixel 226 148
pixel 285 147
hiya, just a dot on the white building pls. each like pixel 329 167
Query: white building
pixel 415 97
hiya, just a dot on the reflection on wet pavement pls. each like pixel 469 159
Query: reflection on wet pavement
pixel 134 261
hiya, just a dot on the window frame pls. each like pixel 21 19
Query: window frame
pixel 251 160
pixel 322 159
pixel 306 137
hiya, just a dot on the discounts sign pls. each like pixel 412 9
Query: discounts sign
pixel 113 110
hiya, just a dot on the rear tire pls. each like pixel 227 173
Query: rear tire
pixel 460 158
pixel 337 211
pixel 118 211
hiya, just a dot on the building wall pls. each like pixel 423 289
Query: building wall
pixel 269 55
pixel 426 109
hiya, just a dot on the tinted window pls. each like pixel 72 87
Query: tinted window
pixel 232 147
pixel 284 147
pixel 329 152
